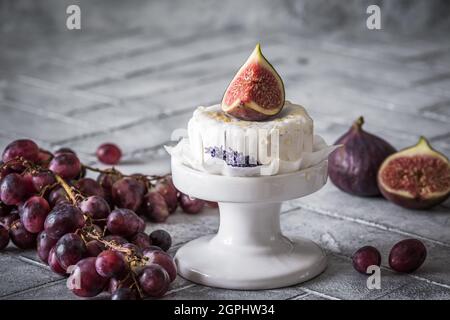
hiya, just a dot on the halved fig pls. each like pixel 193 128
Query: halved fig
pixel 256 92
pixel 417 177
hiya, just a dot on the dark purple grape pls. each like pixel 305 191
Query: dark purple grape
pixel 13 189
pixel 164 260
pixel 125 223
pixel 124 294
pixel 21 237
pixel 44 245
pixel 95 207
pixel 94 248
pixel 33 214
pixel 57 195
pixel 154 207
pixel 191 205
pixel 43 179
pixel 84 281
pixel 4 237
pixel 111 263
pixel 109 153
pixel 44 157
pixel 23 148
pixel 6 221
pixel 89 187
pixel 118 240
pixel 166 188
pixel 154 280
pixel 64 218
pixel 142 240
pixel 128 193
pixel 365 257
pixel 66 165
pixel 161 238
pixel 4 209
pixel 407 255
pixel 70 249
pixel 53 262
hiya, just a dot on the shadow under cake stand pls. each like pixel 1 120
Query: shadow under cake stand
pixel 249 252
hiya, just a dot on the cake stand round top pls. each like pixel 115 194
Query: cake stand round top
pixel 274 188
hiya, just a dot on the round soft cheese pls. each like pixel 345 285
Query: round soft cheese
pixel 215 135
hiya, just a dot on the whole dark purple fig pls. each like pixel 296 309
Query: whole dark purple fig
pixel 353 168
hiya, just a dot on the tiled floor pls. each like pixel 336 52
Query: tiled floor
pixel 136 88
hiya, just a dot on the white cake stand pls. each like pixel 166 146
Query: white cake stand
pixel 249 252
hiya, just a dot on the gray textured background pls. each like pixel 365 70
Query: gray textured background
pixel 137 70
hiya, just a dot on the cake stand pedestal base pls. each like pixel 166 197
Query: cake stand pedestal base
pixel 249 252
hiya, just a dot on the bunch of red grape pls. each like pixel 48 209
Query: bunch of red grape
pixel 90 229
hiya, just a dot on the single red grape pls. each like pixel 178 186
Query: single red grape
pixel 407 255
pixel 154 280
pixel 164 260
pixel 70 249
pixel 109 153
pixel 161 238
pixel 64 218
pixel 125 223
pixel 154 207
pixel 13 189
pixel 365 257
pixel 111 263
pixel 44 245
pixel 23 148
pixel 33 214
pixel 66 165
pixel 191 205
pixel 128 193
pixel 95 207
pixel 84 281
pixel 21 237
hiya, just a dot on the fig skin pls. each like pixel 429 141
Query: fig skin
pixel 353 168
pixel 403 199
